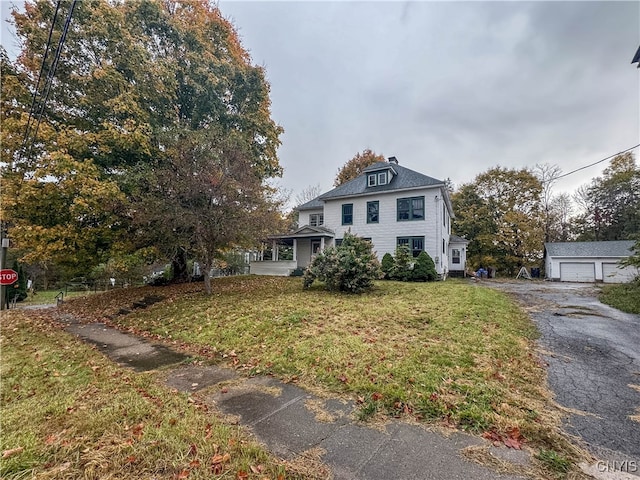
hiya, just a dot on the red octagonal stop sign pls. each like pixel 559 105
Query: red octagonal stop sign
pixel 8 276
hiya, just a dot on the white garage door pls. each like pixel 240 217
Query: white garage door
pixel 577 272
pixel 612 274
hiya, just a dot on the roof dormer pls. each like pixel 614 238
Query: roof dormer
pixel 380 174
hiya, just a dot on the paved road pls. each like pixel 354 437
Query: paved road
pixel 593 352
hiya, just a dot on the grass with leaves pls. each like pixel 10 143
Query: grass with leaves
pixel 623 296
pixel 451 353
pixel 68 412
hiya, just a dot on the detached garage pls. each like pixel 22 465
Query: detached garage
pixel 589 261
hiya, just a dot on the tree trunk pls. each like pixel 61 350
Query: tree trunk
pixel 207 278
pixel 179 267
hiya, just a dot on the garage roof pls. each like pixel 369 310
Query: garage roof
pixel 613 248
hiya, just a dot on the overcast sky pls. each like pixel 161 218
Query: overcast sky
pixel 449 88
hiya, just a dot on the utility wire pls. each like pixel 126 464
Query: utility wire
pixel 592 164
pixel 51 73
pixel 35 92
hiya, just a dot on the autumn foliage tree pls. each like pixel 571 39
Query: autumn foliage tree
pixel 133 76
pixel 611 203
pixel 501 213
pixel 356 166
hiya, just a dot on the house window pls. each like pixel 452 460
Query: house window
pixel 410 209
pixel 443 247
pixel 347 214
pixel 373 210
pixel 444 216
pixel 371 180
pixel 382 178
pixel 316 219
pixel 415 244
pixel 455 256
pixel 338 242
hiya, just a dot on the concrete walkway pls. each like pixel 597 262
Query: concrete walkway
pixel 293 423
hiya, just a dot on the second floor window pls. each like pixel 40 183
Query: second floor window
pixel 316 219
pixel 373 212
pixel 410 209
pixel 347 214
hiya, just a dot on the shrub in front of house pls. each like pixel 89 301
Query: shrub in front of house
pixel 351 267
pixel 424 270
pixel 387 265
pixel 402 264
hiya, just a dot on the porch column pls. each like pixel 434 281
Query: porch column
pixel 322 244
pixel 274 251
pixel 295 250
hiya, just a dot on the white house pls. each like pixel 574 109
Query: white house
pixel 589 261
pixel 389 205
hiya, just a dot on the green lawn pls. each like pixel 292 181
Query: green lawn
pixel 47 297
pixel 451 353
pixel 68 412
pixel 624 296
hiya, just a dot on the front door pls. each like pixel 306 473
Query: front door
pixel 315 248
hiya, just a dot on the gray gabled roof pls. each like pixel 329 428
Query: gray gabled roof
pixel 457 239
pixel 405 178
pixel 315 204
pixel 612 248
pixel 306 231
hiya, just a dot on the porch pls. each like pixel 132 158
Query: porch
pixel 294 250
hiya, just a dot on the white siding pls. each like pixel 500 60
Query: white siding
pixel 303 217
pixel 384 233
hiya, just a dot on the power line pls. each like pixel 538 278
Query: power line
pixel 592 164
pixel 35 92
pixel 51 73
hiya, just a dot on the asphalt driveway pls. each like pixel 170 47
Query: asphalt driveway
pixel 593 353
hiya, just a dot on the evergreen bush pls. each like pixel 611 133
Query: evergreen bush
pixel 351 267
pixel 424 270
pixel 387 265
pixel 403 264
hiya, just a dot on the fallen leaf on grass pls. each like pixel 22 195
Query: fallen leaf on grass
pixel 12 451
pixel 183 474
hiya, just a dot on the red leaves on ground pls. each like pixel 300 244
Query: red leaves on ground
pixel 183 474
pixel 137 430
pixel 512 439
pixel 343 379
pixel 376 396
pixel 218 461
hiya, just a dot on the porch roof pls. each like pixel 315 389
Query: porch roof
pixel 306 231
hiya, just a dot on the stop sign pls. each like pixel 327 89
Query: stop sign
pixel 8 276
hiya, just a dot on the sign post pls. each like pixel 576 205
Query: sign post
pixel 4 300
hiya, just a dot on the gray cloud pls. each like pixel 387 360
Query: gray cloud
pixel 450 88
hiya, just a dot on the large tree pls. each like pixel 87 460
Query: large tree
pixel 500 211
pixel 133 77
pixel 611 203
pixel 356 166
